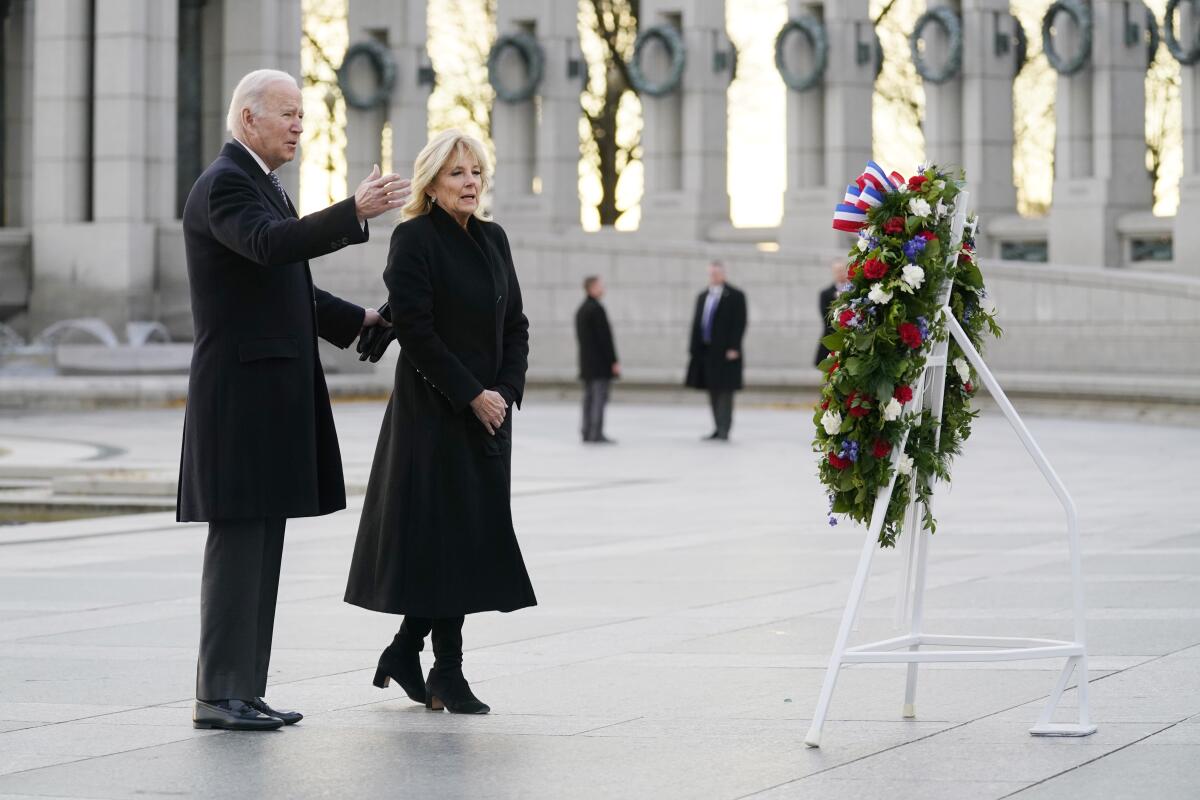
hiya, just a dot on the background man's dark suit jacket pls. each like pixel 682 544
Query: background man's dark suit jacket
pixel 258 434
pixel 708 367
pixel 597 351
pixel 823 302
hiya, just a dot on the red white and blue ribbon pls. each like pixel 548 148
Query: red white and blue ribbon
pixel 865 193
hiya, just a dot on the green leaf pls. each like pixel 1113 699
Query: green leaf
pixel 855 365
pixel 834 341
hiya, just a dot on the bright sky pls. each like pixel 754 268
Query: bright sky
pixel 757 102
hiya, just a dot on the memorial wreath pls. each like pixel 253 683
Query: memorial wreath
pixel 885 324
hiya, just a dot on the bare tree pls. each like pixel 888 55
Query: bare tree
pixel 465 30
pixel 606 149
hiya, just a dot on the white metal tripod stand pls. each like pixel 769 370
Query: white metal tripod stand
pixel 907 648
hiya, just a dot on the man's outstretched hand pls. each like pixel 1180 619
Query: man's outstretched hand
pixel 379 193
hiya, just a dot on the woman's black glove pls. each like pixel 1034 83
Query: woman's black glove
pixel 375 340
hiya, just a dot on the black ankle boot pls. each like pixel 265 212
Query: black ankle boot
pixel 401 662
pixel 446 687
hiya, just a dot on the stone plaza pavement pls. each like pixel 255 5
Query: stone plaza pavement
pixel 689 595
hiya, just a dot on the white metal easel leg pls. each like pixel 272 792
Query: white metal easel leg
pixel 1078 664
pixel 857 588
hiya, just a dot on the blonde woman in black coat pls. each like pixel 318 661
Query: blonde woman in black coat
pixel 436 539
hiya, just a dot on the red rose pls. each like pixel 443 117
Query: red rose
pixel 824 405
pixel 850 272
pixel 845 318
pixel 909 334
pixel 881 449
pixel 903 393
pixel 916 181
pixel 964 258
pixel 874 269
pixel 928 236
pixel 970 248
pixel 970 388
pixel 837 462
pixel 894 225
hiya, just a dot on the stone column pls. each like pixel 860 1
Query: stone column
pixel 829 126
pixel 989 66
pixel 1186 240
pixel 1099 157
pixel 684 136
pixel 16 112
pixel 400 26
pixel 537 140
pixel 262 34
pixel 62 154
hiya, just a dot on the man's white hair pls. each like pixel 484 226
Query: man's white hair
pixel 249 93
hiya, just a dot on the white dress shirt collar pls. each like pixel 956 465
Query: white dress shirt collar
pixel 253 155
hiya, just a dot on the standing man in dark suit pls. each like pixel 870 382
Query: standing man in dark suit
pixel 839 270
pixel 716 347
pixel 259 444
pixel 598 364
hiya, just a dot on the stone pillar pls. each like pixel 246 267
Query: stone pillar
pixel 262 34
pixel 104 156
pixel 16 112
pixel 1099 156
pixel 684 136
pixel 400 25
pixel 537 140
pixel 828 126
pixel 989 66
pixel 1186 240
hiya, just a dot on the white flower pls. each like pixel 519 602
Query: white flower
pixel 919 207
pixel 831 421
pixel 913 275
pixel 941 210
pixel 863 244
pixel 905 465
pixel 892 410
pixel 963 368
pixel 878 295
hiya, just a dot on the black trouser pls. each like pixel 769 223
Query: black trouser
pixel 722 410
pixel 595 398
pixel 447 638
pixel 237 607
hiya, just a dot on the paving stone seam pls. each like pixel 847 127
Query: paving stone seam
pixel 1090 761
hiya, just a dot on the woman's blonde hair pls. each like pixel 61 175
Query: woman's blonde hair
pixel 433 158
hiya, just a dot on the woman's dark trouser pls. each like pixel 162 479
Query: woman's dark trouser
pixel 447 638
pixel 237 607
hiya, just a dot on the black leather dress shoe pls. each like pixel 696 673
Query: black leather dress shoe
pixel 232 715
pixel 288 717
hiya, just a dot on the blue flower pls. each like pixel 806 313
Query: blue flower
pixel 914 247
pixel 849 450
pixel 923 325
pixel 832 522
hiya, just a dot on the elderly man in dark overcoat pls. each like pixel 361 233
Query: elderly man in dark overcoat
pixel 259 444
pixel 718 325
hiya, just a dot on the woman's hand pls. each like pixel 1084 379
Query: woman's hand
pixel 490 409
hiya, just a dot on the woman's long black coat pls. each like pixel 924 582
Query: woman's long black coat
pixel 436 536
